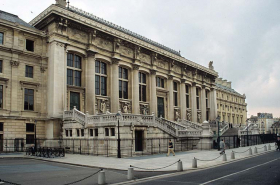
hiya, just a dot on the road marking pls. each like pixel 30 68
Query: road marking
pixel 238 172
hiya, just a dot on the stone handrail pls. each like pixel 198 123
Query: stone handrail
pixel 191 124
pixel 224 129
pixel 76 115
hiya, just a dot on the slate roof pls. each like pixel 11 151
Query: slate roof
pixel 227 88
pixel 119 28
pixel 13 18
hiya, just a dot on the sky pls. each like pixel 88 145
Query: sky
pixel 241 37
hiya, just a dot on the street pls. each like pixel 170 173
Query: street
pixel 263 169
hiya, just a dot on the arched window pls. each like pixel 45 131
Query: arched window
pixel 123 83
pixel 74 70
pixel 100 78
pixel 142 87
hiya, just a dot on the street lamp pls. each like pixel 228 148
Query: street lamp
pixel 218 139
pixel 247 132
pixel 118 115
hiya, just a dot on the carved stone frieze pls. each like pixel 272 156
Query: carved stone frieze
pixel 144 109
pixel 145 58
pixel 177 115
pixel 161 64
pixel 14 63
pixel 105 44
pixel 78 35
pixel 125 107
pixel 102 105
pixel 199 117
pixel 126 51
pixel 176 69
pixel 189 114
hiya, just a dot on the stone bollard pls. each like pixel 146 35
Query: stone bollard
pixel 250 151
pixel 225 157
pixel 130 173
pixel 265 148
pixel 180 166
pixel 232 155
pixel 255 150
pixel 194 163
pixel 269 147
pixel 101 177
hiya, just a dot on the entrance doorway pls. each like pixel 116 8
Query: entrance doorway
pixel 74 100
pixel 160 107
pixel 139 140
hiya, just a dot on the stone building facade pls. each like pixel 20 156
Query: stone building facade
pixel 231 105
pixel 67 59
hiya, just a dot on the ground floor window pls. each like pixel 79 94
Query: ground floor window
pixel 74 100
pixel 30 138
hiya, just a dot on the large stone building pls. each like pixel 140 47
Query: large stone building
pixel 67 59
pixel 231 105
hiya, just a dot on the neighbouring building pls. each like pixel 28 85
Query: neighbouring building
pixel 275 128
pixel 231 105
pixel 67 73
pixel 265 121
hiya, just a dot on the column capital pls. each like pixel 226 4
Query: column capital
pixel 91 53
pixel 115 61
pixel 170 77
pixel 183 80
pixel 193 83
pixel 153 72
pixel 203 86
pixel 14 63
pixel 135 66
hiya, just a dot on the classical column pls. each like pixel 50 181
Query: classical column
pixel 56 79
pixel 153 92
pixel 14 88
pixel 213 104
pixel 183 105
pixel 193 102
pixel 115 86
pixel 135 89
pixel 170 98
pixel 203 104
pixel 90 82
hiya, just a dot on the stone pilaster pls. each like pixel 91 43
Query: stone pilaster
pixel 115 86
pixel 203 104
pixel 57 81
pixel 213 104
pixel 183 105
pixel 14 87
pixel 193 102
pixel 170 98
pixel 153 95
pixel 90 82
pixel 135 89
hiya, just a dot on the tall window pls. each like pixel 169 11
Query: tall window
pixel 206 97
pixel 74 100
pixel 30 133
pixel 160 82
pixel 188 96
pixel 142 87
pixel 29 45
pixel 1 96
pixel 1 38
pixel 100 78
pixel 29 71
pixel 175 93
pixel 197 98
pixel 123 83
pixel 1 127
pixel 74 70
pixel 28 99
pixel 1 66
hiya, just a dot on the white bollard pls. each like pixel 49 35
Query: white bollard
pixel 180 166
pixel 101 177
pixel 232 155
pixel 225 157
pixel 255 150
pixel 265 148
pixel 194 163
pixel 269 147
pixel 250 151
pixel 130 173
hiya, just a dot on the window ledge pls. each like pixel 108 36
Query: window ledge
pixel 75 87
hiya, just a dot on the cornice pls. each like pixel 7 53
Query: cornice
pixel 101 27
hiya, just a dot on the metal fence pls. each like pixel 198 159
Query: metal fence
pixel 107 147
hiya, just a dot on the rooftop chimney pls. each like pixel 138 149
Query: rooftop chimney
pixel 61 2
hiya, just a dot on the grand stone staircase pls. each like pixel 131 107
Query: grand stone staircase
pixel 176 129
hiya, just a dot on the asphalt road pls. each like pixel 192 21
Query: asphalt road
pixel 36 172
pixel 262 169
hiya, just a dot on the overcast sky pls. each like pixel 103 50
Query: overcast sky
pixel 242 37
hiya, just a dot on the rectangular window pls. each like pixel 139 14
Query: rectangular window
pixel 29 71
pixel 187 96
pixel 112 131
pixel 175 94
pixel 123 83
pixel 78 78
pixel 100 78
pixel 1 127
pixel 30 127
pixel 103 86
pixel 197 98
pixel 91 132
pixel 78 132
pixel 97 85
pixel 125 90
pixel 30 139
pixel 82 132
pixel 69 77
pixel 1 38
pixel 29 45
pixel 74 100
pixel 142 87
pixel 28 99
pixel 70 133
pixel 1 96
pixel 1 66
pixel 70 59
pixel 160 82
pixel 78 62
pixel 96 132
pixel 106 131
pixel 66 133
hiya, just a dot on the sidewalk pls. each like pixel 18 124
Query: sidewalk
pixel 154 161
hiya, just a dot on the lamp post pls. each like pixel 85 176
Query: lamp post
pixel 118 115
pixel 247 132
pixel 218 139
